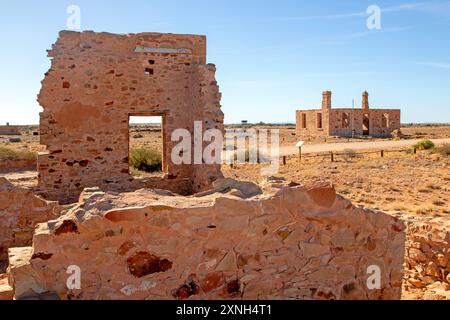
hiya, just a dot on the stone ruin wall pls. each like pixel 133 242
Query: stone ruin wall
pixel 311 131
pixel 427 270
pixel 11 165
pixel 316 237
pixel 9 130
pixel 96 82
pixel 289 243
pixel 376 129
pixel 20 212
pixel 333 123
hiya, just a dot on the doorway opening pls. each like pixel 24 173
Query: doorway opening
pixel 366 125
pixel 146 145
pixel 319 121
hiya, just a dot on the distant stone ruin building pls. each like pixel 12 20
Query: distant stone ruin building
pixel 346 122
pixel 96 82
pixel 9 130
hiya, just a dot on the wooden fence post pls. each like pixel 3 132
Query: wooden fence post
pixel 382 153
pixel 332 156
pixel 300 154
pixel 284 160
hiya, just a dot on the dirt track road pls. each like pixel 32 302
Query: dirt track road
pixel 355 146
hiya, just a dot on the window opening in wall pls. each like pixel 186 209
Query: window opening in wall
pixel 146 147
pixel 304 120
pixel 345 121
pixel 385 120
pixel 366 125
pixel 319 121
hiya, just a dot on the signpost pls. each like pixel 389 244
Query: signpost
pixel 299 145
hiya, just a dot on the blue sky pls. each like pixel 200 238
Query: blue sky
pixel 272 57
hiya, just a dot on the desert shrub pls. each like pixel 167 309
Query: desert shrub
pixel 11 154
pixel 148 160
pixel 424 145
pixel 349 154
pixel 443 150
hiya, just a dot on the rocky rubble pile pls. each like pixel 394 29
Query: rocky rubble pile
pixel 20 211
pixel 427 271
pixel 238 242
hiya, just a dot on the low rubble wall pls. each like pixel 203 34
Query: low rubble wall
pixel 288 242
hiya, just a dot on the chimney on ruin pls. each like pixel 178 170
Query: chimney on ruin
pixel 326 100
pixel 365 100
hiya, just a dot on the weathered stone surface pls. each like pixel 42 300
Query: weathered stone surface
pixel 241 189
pixel 9 165
pixel 20 267
pixel 20 211
pixel 427 259
pixel 95 83
pixel 144 245
pixel 6 291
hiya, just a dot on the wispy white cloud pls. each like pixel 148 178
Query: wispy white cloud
pixel 403 7
pixel 437 8
pixel 399 8
pixel 325 17
pixel 435 64
pixel 370 32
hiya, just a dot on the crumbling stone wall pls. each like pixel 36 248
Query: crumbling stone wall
pixel 427 272
pixel 375 116
pixel 343 122
pixel 20 211
pixel 12 165
pixel 9 130
pixel 307 123
pixel 289 242
pixel 96 82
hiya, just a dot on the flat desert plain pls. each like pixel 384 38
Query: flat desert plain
pixel 400 182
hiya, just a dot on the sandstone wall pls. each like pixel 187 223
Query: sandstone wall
pixel 344 122
pixel 290 243
pixel 334 125
pixel 10 130
pixel 307 124
pixel 96 82
pixel 20 211
pixel 427 271
pixel 377 128
pixel 8 165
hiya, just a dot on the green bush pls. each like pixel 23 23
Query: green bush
pixel 424 145
pixel 11 154
pixel 148 160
